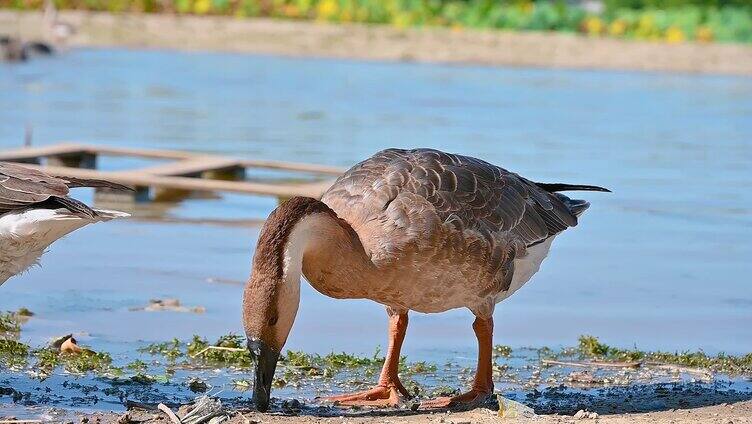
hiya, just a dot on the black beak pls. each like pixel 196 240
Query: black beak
pixel 266 363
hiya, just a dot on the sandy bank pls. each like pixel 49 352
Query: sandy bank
pixel 386 43
pixel 738 413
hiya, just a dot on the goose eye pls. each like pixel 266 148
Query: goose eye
pixel 273 320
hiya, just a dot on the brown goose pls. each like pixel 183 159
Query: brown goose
pixel 415 230
pixel 35 211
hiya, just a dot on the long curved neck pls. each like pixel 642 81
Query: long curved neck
pixel 305 237
pixel 301 236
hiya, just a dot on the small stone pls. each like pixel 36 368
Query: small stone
pixel 580 415
pixel 593 415
pixel 84 420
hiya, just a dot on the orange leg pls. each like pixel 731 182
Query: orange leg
pixel 389 389
pixel 483 383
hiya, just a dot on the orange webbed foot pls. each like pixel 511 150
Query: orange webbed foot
pixel 380 396
pixel 469 399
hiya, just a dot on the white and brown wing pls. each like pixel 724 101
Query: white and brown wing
pixel 424 206
pixel 23 187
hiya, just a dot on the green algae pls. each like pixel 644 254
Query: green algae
pixel 231 352
pixel 502 350
pixel 137 366
pixel 591 347
pixel 49 359
pixel 10 323
pixel 13 354
pixel 170 350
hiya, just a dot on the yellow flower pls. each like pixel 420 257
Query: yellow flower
pixel 704 34
pixel 327 9
pixel 593 25
pixel 646 27
pixel 617 28
pixel 674 35
pixel 402 20
pixel 202 7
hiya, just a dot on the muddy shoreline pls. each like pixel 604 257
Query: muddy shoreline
pixel 725 413
pixel 384 43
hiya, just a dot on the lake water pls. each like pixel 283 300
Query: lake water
pixel 662 263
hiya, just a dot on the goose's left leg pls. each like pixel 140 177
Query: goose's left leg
pixel 483 382
pixel 389 391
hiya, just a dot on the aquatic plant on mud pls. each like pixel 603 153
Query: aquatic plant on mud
pixel 228 351
pixel 48 359
pixel 170 350
pixel 10 322
pixel 137 366
pixel 502 350
pixel 591 347
pixel 13 354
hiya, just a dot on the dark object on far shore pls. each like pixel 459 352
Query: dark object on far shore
pixel 13 49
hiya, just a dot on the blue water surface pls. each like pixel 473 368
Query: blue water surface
pixel 662 263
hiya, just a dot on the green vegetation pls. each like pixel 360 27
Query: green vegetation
pixel 10 322
pixel 296 367
pixel 668 20
pixel 232 352
pixel 502 350
pixel 591 347
pixel 49 359
pixel 12 353
pixel 170 350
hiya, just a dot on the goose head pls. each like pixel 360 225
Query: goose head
pixel 272 293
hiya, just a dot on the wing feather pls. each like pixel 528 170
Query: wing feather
pixel 412 204
pixel 22 187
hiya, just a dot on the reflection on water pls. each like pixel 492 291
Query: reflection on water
pixel 663 262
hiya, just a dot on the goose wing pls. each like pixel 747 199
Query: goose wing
pixel 423 203
pixel 22 187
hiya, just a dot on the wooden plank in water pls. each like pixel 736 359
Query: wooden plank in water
pixel 141 153
pixel 247 163
pixel 62 149
pixel 191 167
pixel 136 179
pixel 290 166
pixel 34 153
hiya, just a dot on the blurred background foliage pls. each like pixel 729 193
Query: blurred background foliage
pixel 672 21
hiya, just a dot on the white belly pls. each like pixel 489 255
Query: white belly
pixel 526 267
pixel 25 235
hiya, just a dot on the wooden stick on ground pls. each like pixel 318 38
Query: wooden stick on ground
pixel 206 349
pixel 597 364
pixel 164 408
pixel 20 421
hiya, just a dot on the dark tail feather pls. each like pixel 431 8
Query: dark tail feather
pixel 79 182
pixel 554 187
pixel 575 205
pixel 74 206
